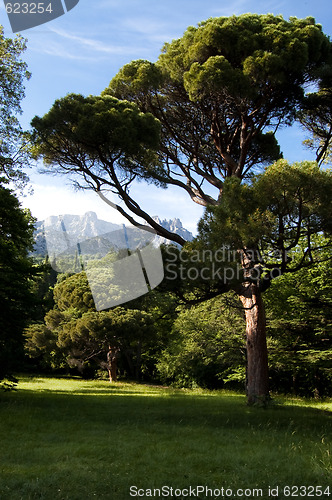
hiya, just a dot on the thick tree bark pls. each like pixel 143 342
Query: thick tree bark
pixel 257 385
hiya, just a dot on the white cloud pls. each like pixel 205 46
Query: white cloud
pixel 90 43
pixel 59 43
pixel 57 50
pixel 242 6
pixel 232 8
pixel 149 29
pixel 49 199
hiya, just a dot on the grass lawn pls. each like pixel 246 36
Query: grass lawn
pixel 74 439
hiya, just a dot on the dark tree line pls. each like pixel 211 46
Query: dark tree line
pixel 158 339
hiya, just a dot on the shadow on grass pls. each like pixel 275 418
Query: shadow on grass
pixel 136 404
pixel 73 439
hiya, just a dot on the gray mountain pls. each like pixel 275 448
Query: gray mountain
pixel 61 233
pixel 175 226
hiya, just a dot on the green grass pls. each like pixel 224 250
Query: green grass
pixel 73 439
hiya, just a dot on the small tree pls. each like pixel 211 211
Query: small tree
pixel 101 337
pixel 75 333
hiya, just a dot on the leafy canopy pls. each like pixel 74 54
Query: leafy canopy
pixel 222 90
pixel 93 136
pixel 275 222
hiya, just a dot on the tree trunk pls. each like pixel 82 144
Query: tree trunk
pixel 112 371
pixel 112 363
pixel 257 384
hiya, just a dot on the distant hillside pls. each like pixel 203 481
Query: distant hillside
pixel 83 228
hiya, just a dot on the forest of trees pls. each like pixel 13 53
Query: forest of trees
pixel 203 118
pixel 160 339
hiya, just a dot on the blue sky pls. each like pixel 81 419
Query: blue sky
pixel 82 50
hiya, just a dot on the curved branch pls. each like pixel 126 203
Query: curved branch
pixel 161 231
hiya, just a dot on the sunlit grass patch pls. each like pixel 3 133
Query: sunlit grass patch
pixel 74 439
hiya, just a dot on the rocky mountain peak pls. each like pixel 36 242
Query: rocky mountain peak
pixel 87 226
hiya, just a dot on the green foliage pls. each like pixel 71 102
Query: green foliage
pixel 41 345
pixel 86 340
pixel 260 49
pixel 206 347
pixel 162 307
pixel 42 288
pixel 299 308
pixel 73 292
pixel 71 298
pixel 237 224
pixel 16 269
pixel 220 92
pixel 89 133
pixel 277 217
pixel 301 191
pixel 214 74
pixel 316 117
pixel 75 332
pixel 13 146
pixel 138 78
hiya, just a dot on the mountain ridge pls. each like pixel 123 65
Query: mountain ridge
pixel 87 226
